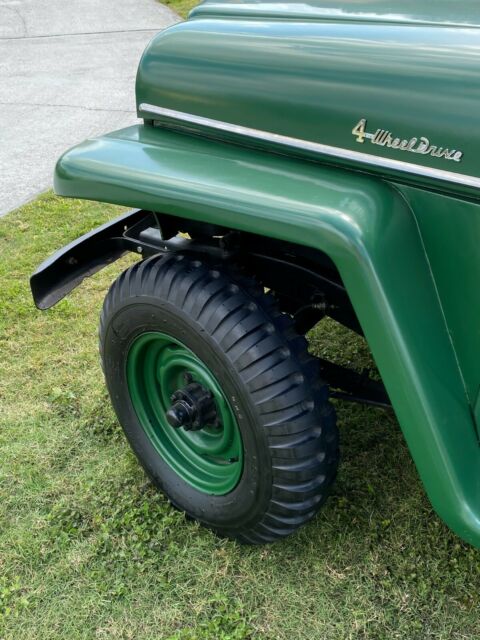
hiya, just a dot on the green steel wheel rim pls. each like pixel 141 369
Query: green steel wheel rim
pixel 209 459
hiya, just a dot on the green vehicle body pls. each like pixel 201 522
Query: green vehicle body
pixel 255 118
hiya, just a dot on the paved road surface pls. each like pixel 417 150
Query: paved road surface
pixel 67 71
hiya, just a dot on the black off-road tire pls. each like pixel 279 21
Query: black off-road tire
pixel 287 423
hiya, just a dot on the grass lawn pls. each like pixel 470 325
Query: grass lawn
pixel 89 550
pixel 182 7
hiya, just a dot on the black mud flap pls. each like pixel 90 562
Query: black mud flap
pixel 135 230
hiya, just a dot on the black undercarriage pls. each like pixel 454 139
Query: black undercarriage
pixel 304 280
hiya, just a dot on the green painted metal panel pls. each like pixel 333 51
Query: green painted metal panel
pixel 450 228
pixel 440 12
pixel 313 81
pixel 369 230
pixel 476 410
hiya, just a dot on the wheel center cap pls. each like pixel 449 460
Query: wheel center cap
pixel 193 408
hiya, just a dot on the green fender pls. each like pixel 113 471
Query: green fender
pixel 369 231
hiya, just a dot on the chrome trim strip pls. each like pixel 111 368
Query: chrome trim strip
pixel 324 149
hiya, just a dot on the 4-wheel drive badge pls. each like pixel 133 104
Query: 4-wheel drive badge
pixel 385 138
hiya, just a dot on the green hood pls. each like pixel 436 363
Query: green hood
pixel 303 76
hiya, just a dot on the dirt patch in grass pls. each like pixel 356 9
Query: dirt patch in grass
pixel 89 550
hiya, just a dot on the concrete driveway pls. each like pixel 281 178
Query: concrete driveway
pixel 67 71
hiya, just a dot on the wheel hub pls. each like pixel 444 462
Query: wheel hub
pixel 193 408
pixel 185 413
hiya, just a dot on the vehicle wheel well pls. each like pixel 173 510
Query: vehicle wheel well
pixel 305 280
